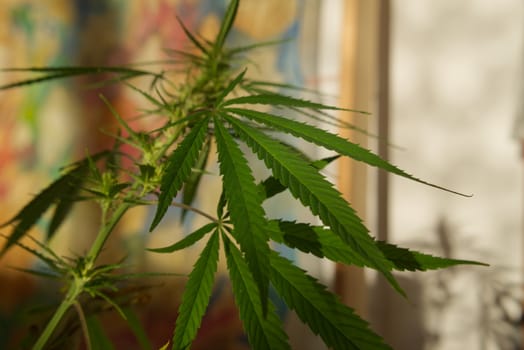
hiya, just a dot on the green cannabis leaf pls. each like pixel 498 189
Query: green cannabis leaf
pixel 314 191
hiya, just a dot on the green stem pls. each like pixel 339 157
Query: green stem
pixel 193 209
pixel 104 233
pixel 77 285
pixel 73 292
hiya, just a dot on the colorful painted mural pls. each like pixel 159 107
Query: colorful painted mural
pixel 46 126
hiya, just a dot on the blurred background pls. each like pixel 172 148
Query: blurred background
pixel 441 79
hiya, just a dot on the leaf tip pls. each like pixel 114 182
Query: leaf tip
pixel 159 215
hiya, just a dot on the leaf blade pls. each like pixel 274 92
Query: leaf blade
pixel 232 84
pixel 323 243
pixel 65 204
pixel 245 206
pixel 67 71
pixel 191 185
pixel 315 240
pixel 187 241
pixel 178 170
pixel 285 101
pixel 271 186
pixel 337 324
pixel 227 23
pixel 314 191
pixel 329 141
pixel 196 295
pixel 191 37
pixel 406 259
pixel 97 334
pixel 138 330
pixel 55 192
pixel 263 332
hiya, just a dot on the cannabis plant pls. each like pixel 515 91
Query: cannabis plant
pixel 216 104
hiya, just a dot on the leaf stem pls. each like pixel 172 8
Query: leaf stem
pixel 83 323
pixel 193 209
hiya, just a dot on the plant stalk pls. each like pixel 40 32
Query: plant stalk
pixel 73 292
pixel 77 286
pixel 104 233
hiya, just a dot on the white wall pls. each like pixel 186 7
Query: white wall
pixel 456 71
